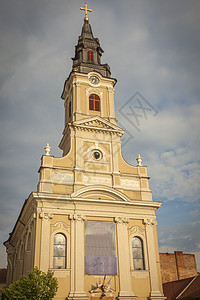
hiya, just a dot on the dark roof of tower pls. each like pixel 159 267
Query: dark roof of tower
pixel 87 31
pixel 87 42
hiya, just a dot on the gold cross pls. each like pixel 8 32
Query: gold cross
pixel 86 10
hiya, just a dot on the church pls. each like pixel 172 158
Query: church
pixel 92 220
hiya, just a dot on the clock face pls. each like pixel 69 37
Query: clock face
pixel 94 80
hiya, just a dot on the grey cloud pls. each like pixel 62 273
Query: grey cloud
pixel 180 237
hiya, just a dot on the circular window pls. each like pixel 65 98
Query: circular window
pixel 96 154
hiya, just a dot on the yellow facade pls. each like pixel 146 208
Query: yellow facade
pixel 77 188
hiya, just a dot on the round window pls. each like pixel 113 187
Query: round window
pixel 96 154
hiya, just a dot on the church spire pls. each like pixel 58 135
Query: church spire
pixel 87 30
pixel 88 51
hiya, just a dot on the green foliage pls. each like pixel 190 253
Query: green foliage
pixel 36 286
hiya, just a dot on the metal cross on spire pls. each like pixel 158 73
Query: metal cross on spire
pixel 86 10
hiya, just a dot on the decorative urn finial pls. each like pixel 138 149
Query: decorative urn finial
pixel 139 160
pixel 47 149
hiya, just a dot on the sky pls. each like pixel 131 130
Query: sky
pixel 153 49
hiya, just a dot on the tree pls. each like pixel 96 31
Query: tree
pixel 36 286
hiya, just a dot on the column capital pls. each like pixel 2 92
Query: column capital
pixel 43 216
pixel 149 222
pixel 110 89
pixel 78 83
pixel 121 220
pixel 76 217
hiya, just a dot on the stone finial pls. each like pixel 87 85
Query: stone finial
pixel 47 149
pixel 139 160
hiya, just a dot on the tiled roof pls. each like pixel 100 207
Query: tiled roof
pixel 192 290
pixel 188 288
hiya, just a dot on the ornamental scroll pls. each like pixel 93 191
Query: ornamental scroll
pixel 100 248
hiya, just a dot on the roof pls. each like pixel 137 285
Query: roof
pixel 192 290
pixel 188 288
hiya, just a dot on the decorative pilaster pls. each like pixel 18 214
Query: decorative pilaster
pixel 45 239
pixel 78 96
pixel 78 157
pixel 77 108
pixel 111 102
pixel 115 162
pixel 77 257
pixel 155 288
pixel 125 291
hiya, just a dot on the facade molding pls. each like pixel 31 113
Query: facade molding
pixel 121 220
pixel 76 217
pixel 43 216
pixel 149 222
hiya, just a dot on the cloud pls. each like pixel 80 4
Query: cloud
pixel 169 146
pixel 180 236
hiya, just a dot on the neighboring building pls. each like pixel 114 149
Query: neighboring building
pixel 3 273
pixel 185 289
pixel 92 213
pixel 177 265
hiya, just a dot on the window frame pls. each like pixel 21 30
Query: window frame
pixel 65 232
pixel 95 102
pixel 141 248
pixel 65 250
pixel 137 231
pixel 90 56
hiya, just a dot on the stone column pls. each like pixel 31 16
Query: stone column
pixel 125 287
pixel 77 258
pixel 45 240
pixel 155 288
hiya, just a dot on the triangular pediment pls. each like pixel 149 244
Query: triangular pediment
pixel 98 123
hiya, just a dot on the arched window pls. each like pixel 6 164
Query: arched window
pixel 138 256
pixel 94 102
pixel 90 55
pixel 59 251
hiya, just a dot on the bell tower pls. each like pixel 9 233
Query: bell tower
pixel 92 215
pixel 89 107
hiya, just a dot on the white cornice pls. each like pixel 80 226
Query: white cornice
pixel 101 121
pixel 60 197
